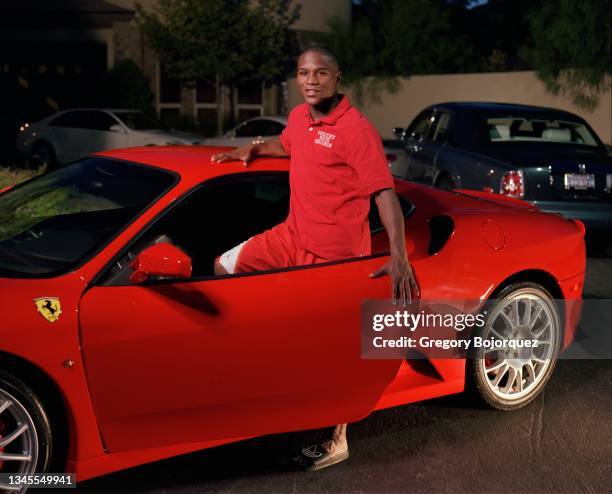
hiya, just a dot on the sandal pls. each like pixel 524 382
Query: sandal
pixel 316 457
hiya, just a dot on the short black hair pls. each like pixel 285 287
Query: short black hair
pixel 323 50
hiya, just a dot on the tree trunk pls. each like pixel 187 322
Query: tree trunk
pixel 219 99
pixel 233 112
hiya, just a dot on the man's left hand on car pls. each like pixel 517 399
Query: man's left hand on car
pixel 403 281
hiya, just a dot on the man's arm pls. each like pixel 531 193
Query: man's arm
pixel 403 281
pixel 248 153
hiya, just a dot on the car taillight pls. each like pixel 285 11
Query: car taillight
pixel 513 185
pixel 391 157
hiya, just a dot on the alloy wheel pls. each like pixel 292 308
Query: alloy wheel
pixel 513 375
pixel 18 439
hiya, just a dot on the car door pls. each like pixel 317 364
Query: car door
pixel 426 147
pixel 100 136
pixel 415 142
pixel 70 135
pixel 219 358
pixel 461 156
pixel 434 146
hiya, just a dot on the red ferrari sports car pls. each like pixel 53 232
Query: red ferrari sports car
pixel 119 346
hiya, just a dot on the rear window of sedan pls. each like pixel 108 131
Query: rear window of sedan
pixel 506 128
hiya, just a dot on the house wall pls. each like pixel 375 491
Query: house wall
pixel 417 92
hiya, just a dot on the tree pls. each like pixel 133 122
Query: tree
pixel 364 59
pixel 423 39
pixel 571 47
pixel 268 46
pixel 391 38
pixel 126 86
pixel 496 30
pixel 223 40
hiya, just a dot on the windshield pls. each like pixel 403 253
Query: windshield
pixel 539 130
pixel 52 223
pixel 140 121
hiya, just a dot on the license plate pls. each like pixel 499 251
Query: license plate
pixel 579 181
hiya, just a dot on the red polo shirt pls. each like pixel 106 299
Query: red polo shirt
pixel 337 162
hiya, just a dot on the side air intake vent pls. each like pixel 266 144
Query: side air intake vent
pixel 440 229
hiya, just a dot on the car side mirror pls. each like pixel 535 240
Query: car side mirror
pixel 117 128
pixel 164 260
pixel 398 132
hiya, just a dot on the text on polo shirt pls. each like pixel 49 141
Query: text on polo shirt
pixel 324 139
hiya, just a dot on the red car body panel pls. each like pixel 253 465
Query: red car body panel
pixel 497 198
pixel 131 396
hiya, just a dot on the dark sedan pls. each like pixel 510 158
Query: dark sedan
pixel 548 157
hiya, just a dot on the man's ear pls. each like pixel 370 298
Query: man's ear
pixel 339 77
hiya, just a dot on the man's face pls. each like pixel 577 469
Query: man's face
pixel 317 77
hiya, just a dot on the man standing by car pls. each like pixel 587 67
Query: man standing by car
pixel 337 164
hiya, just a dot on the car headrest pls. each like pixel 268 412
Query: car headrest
pixel 563 135
pixel 499 132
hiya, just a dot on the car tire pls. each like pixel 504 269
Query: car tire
pixel 445 182
pixel 509 380
pixel 43 154
pixel 25 429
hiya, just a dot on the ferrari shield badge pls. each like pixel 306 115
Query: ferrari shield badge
pixel 49 307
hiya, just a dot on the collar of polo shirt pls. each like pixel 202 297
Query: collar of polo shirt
pixel 343 106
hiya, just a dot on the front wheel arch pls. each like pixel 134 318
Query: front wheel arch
pixel 542 278
pixel 51 398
